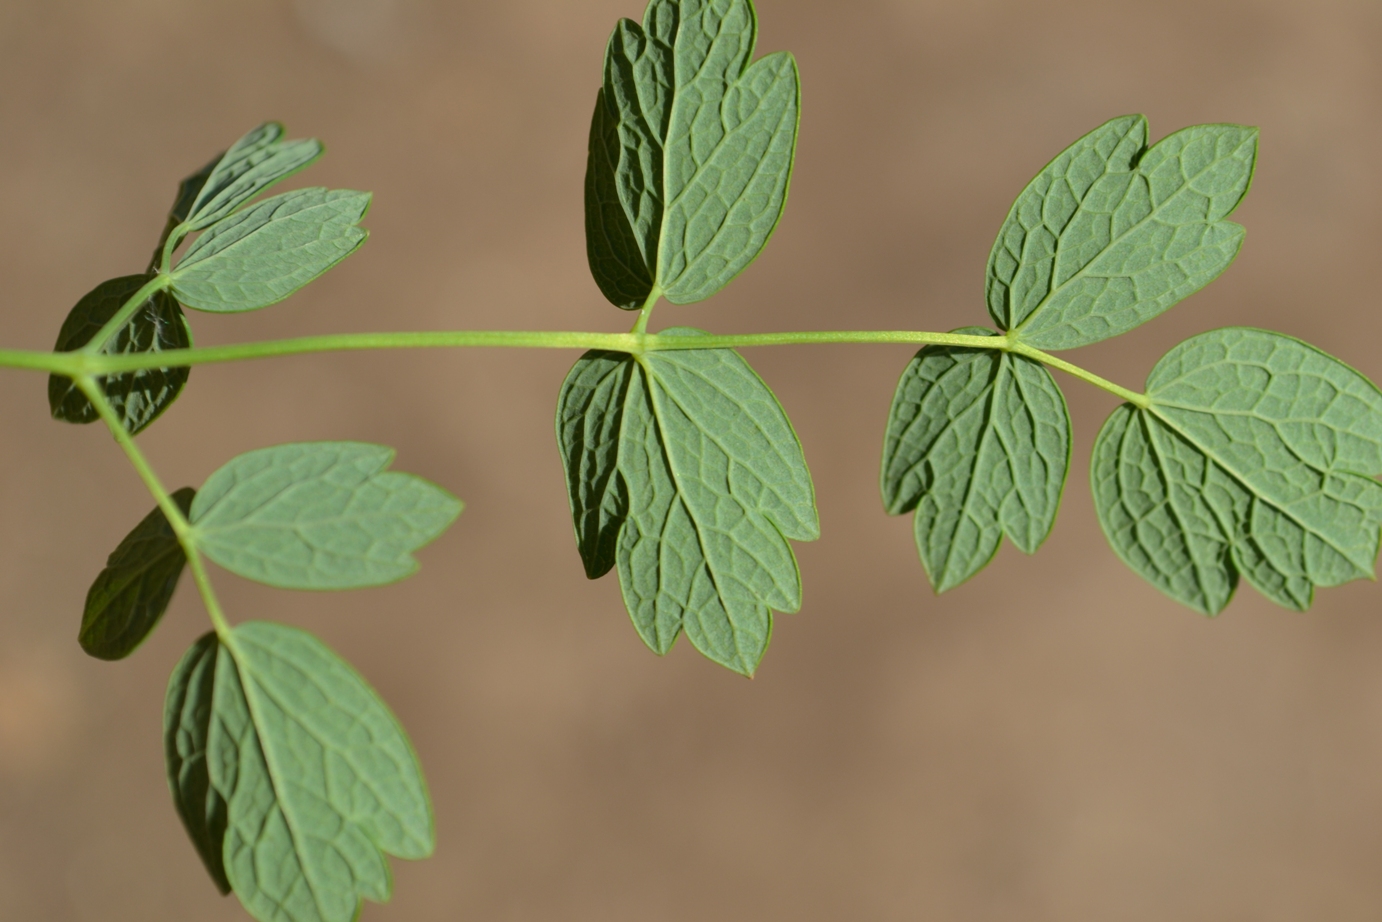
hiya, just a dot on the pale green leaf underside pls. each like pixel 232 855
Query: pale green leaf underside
pixel 318 515
pixel 252 164
pixel 978 443
pixel 129 596
pixel 1110 234
pixel 1256 458
pixel 685 474
pixel 292 777
pixel 268 251
pixel 691 151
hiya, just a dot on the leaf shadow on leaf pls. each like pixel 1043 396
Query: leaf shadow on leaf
pixel 139 397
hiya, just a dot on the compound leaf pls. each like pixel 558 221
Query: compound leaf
pixel 291 776
pixel 137 396
pixel 252 164
pixel 1110 233
pixel 1254 458
pixel 691 150
pixel 131 594
pixel 268 251
pixel 684 473
pixel 318 515
pixel 978 443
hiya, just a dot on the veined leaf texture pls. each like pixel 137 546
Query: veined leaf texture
pixel 1256 458
pixel 1111 233
pixel 291 776
pixel 684 473
pixel 691 149
pixel 978 444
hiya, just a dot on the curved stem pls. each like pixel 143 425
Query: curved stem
pixel 181 527
pixel 1132 397
pixel 640 326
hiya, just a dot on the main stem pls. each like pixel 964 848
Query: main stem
pixel 91 364
pixel 181 527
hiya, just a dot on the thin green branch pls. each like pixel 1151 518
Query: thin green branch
pixel 1132 397
pixel 181 527
pixel 640 326
pixel 77 364
pixel 65 363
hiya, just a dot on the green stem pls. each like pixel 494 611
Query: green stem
pixel 1132 397
pixel 640 326
pixel 126 311
pixel 181 527
pixel 77 364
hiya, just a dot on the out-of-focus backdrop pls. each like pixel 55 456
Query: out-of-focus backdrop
pixel 1053 741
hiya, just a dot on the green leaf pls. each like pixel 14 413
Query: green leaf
pixel 1255 457
pixel 1110 234
pixel 978 443
pixel 684 472
pixel 318 515
pixel 691 151
pixel 253 163
pixel 131 594
pixel 290 774
pixel 268 251
pixel 138 396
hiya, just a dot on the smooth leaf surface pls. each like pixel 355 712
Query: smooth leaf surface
pixel 291 776
pixel 684 473
pixel 268 251
pixel 1256 458
pixel 1110 233
pixel 691 150
pixel 252 164
pixel 318 515
pixel 125 603
pixel 138 396
pixel 978 444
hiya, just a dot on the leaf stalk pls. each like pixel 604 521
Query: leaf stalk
pixel 181 527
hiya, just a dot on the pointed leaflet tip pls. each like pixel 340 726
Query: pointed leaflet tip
pixel 263 254
pixel 318 515
pixel 252 164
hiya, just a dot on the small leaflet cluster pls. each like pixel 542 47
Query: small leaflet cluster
pixel 291 776
pixel 1250 455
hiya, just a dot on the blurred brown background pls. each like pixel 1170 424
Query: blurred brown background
pixel 1052 741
